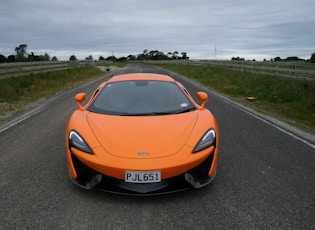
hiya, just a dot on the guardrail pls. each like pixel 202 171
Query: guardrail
pixel 282 69
pixel 17 69
pixel 295 70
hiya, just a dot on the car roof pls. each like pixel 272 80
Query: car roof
pixel 141 76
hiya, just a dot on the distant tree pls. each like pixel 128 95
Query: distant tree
pixel 101 58
pixel 175 55
pixel 46 57
pixel 122 59
pixel 11 58
pixel 237 59
pixel 294 58
pixel 111 58
pixel 54 58
pixel 32 57
pixel 312 60
pixel 145 53
pixel 277 59
pixel 157 55
pixel 2 58
pixel 140 57
pixel 73 58
pixel 154 54
pixel 21 52
pixel 131 58
pixel 184 55
pixel 89 58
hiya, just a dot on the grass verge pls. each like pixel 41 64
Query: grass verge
pixel 17 92
pixel 287 99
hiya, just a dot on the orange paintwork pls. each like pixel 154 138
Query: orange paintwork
pixel 116 147
pixel 144 134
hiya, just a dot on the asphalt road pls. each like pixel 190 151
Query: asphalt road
pixel 265 179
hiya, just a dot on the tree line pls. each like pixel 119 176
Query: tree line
pixel 21 55
pixel 278 59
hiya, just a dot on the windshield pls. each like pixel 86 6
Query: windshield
pixel 141 97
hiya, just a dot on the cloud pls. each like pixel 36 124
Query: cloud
pixel 204 29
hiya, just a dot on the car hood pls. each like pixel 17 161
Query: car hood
pixel 142 136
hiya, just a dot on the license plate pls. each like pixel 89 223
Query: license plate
pixel 142 177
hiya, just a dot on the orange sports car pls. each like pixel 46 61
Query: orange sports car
pixel 142 134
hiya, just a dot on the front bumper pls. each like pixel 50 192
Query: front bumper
pixel 195 178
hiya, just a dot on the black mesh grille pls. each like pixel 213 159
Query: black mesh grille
pixel 85 174
pixel 110 184
pixel 200 173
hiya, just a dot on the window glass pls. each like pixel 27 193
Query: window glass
pixel 141 98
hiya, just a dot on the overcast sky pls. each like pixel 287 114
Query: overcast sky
pixel 205 29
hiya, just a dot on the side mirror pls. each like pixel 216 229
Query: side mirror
pixel 203 98
pixel 79 98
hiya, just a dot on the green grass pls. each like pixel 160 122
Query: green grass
pixel 16 92
pixel 289 99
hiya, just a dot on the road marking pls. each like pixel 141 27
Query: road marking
pixel 21 119
pixel 243 108
pixel 270 123
pixel 41 107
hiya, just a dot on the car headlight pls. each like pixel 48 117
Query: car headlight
pixel 207 140
pixel 75 140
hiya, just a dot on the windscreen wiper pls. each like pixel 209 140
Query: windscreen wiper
pixel 147 114
pixel 185 110
pixel 159 113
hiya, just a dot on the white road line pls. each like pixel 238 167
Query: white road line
pixel 21 119
pixel 213 93
pixel 270 123
pixel 236 105
pixel 41 108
